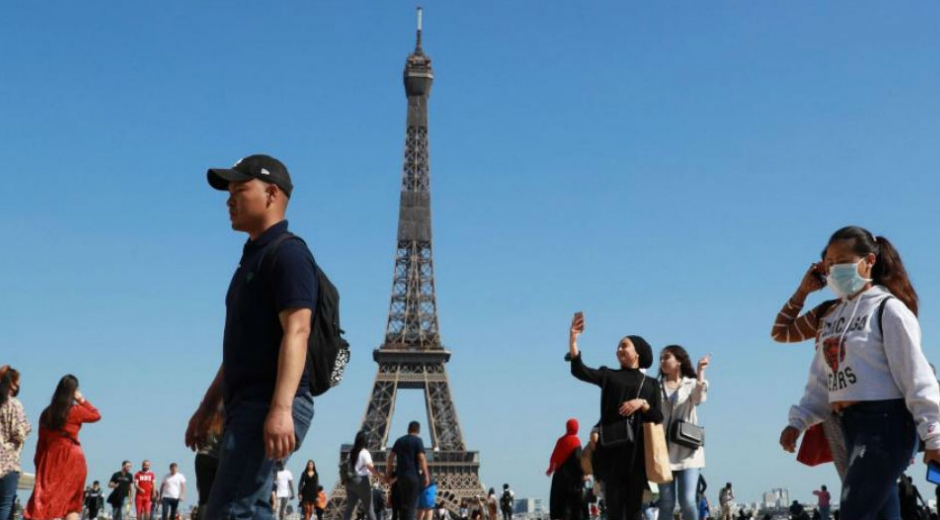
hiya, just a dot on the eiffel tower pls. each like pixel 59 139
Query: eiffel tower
pixel 412 356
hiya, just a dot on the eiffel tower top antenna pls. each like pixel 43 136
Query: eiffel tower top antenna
pixel 418 40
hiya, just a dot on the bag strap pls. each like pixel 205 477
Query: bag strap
pixel 640 389
pixel 881 315
pixel 270 256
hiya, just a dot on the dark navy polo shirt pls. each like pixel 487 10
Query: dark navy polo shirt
pixel 253 333
pixel 406 450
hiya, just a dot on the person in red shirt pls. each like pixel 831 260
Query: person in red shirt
pixel 824 497
pixel 144 489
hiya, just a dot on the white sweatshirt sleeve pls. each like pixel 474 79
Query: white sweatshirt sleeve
pixel 911 371
pixel 814 406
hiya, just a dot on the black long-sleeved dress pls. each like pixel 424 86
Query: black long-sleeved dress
pixel 308 487
pixel 565 501
pixel 622 469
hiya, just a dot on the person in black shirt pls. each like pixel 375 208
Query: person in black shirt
pixel 263 380
pixel 628 399
pixel 408 451
pixel 308 488
pixel 120 483
pixel 93 498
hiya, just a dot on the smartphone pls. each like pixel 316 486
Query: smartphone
pixel 579 316
pixel 933 472
pixel 819 274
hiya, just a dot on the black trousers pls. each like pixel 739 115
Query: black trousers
pixel 624 497
pixel 408 489
pixel 206 467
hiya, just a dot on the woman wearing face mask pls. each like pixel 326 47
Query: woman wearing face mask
pixel 628 399
pixel 683 390
pixel 792 327
pixel 14 427
pixel 870 370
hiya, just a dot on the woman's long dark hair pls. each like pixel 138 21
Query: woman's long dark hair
pixel 685 364
pixel 8 377
pixel 358 445
pixel 888 270
pixel 53 417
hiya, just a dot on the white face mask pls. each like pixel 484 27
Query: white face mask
pixel 844 279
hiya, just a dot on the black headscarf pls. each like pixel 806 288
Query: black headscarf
pixel 643 350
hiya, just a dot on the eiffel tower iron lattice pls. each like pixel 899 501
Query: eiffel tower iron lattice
pixel 412 356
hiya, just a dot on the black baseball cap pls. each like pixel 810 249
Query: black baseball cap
pixel 259 166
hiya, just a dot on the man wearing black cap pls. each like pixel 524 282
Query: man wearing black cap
pixel 263 378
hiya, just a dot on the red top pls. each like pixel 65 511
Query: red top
pixel 565 446
pixel 144 481
pixel 78 415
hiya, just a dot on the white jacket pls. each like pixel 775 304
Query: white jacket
pixel 687 397
pixel 855 361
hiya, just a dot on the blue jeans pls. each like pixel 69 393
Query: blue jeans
pixel 243 482
pixel 8 493
pixel 879 438
pixel 686 481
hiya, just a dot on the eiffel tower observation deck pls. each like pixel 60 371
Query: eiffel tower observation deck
pixel 412 356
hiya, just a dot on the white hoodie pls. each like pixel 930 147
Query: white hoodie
pixel 855 361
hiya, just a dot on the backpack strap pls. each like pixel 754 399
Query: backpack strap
pixel 824 308
pixel 881 315
pixel 270 256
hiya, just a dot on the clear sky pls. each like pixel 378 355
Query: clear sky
pixel 668 168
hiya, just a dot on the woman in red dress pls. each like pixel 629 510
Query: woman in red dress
pixel 60 462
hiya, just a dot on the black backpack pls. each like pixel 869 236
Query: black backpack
pixel 505 501
pixel 327 350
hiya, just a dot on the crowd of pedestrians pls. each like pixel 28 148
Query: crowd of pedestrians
pixel 870 396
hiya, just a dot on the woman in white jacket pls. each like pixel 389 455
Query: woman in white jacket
pixel 870 371
pixel 683 390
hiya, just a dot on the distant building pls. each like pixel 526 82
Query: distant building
pixel 776 499
pixel 528 506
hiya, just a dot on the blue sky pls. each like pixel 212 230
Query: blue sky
pixel 668 168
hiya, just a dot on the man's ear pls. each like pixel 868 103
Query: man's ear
pixel 272 192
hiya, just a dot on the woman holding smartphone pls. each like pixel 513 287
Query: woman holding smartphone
pixel 684 389
pixel 870 370
pixel 628 399
pixel 792 327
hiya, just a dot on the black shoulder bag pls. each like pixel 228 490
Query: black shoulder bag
pixel 684 433
pixel 620 433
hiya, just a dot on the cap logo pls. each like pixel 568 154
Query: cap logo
pixel 265 172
